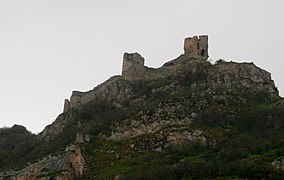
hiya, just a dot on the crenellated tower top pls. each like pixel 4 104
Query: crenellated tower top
pixel 196 47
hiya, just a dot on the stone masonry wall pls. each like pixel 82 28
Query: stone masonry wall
pixel 196 47
pixel 133 66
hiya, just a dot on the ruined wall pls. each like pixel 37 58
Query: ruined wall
pixel 196 47
pixel 76 100
pixel 133 66
pixel 110 90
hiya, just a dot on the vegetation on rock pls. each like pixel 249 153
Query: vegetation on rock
pixel 199 121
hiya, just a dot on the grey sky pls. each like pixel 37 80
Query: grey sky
pixel 50 47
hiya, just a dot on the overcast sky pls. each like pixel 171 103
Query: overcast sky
pixel 48 48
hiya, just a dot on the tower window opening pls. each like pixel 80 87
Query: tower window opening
pixel 202 52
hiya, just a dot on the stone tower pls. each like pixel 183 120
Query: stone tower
pixel 133 66
pixel 196 47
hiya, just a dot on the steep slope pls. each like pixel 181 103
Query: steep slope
pixel 188 119
pixel 184 121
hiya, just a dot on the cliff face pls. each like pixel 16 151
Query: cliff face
pixel 66 166
pixel 180 120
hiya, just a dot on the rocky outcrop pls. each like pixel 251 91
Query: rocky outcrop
pixel 155 120
pixel 66 106
pixel 242 75
pixel 68 166
pixel 55 128
pixel 278 164
pixel 180 137
pixel 82 138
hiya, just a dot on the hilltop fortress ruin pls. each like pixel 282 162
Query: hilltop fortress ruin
pixel 133 68
pixel 133 64
pixel 190 67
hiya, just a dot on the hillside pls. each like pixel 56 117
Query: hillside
pixel 188 119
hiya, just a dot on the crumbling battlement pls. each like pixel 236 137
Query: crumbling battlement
pixel 133 66
pixel 133 63
pixel 107 91
pixel 196 47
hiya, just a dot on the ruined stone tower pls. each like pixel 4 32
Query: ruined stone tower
pixel 196 47
pixel 133 66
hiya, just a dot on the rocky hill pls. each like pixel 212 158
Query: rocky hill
pixel 188 119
